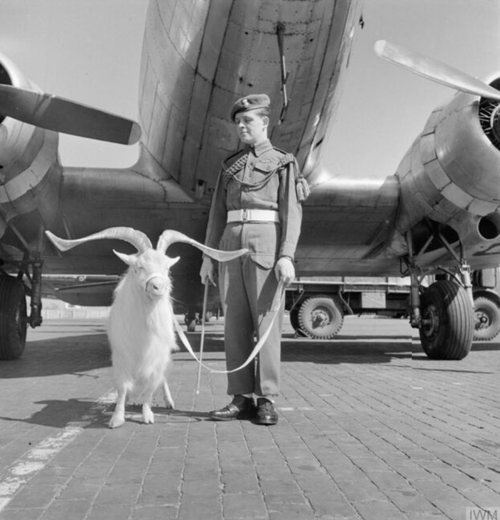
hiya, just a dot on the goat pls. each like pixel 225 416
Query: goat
pixel 140 325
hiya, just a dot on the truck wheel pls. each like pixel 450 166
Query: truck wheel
pixel 447 321
pixel 487 324
pixel 294 322
pixel 320 317
pixel 13 318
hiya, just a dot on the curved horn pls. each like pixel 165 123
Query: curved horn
pixel 138 239
pixel 169 237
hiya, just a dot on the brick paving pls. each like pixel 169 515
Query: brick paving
pixel 369 429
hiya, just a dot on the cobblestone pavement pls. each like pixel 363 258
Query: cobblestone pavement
pixel 369 429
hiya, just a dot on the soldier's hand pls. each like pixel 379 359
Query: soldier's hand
pixel 284 270
pixel 207 271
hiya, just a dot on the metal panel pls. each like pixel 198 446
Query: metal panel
pixel 171 159
pixel 423 183
pixel 482 207
pixel 233 45
pixel 373 300
pixel 445 211
pixel 430 125
pixel 212 40
pixel 427 148
pixel 437 175
pixel 157 129
pixel 457 196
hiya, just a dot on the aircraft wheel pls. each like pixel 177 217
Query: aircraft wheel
pixel 320 317
pixel 13 317
pixel 487 324
pixel 447 321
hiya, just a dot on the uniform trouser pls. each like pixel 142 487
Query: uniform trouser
pixel 247 292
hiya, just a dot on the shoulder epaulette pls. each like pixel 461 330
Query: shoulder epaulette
pixel 286 159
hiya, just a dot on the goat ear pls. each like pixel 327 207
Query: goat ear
pixel 173 261
pixel 128 259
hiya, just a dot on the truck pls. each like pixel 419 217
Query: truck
pixel 317 305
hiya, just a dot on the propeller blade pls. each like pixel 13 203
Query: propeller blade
pixel 434 70
pixel 65 116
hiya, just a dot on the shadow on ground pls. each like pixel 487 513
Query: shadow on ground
pixel 68 355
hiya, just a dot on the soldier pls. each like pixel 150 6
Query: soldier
pixel 255 205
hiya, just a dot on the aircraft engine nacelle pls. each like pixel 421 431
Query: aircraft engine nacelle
pixel 451 174
pixel 30 173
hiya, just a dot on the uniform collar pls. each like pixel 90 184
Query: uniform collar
pixel 260 148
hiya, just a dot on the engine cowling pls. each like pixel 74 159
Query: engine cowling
pixel 30 173
pixel 451 175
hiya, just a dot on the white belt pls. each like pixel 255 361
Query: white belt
pixel 252 215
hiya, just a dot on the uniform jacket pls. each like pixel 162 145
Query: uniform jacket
pixel 267 181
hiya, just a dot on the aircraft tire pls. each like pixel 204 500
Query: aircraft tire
pixel 320 317
pixel 487 313
pixel 447 321
pixel 13 317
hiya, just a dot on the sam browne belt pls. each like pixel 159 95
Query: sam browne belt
pixel 252 215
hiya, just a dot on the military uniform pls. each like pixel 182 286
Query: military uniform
pixel 260 178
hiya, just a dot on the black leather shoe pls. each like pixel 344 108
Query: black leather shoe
pixel 266 413
pixel 240 407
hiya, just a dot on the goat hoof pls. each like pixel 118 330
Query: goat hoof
pixel 116 422
pixel 148 419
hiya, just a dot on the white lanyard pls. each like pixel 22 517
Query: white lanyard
pixel 277 301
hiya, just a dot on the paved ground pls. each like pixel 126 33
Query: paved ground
pixel 369 429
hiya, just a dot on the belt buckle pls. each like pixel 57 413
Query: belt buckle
pixel 244 215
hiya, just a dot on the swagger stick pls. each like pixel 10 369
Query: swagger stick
pixel 202 340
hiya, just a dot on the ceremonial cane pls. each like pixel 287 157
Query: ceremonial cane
pixel 202 340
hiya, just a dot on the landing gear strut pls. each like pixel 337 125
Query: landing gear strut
pixel 443 312
pixel 13 309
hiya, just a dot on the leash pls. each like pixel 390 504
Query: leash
pixel 277 301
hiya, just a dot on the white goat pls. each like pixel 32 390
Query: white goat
pixel 140 326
